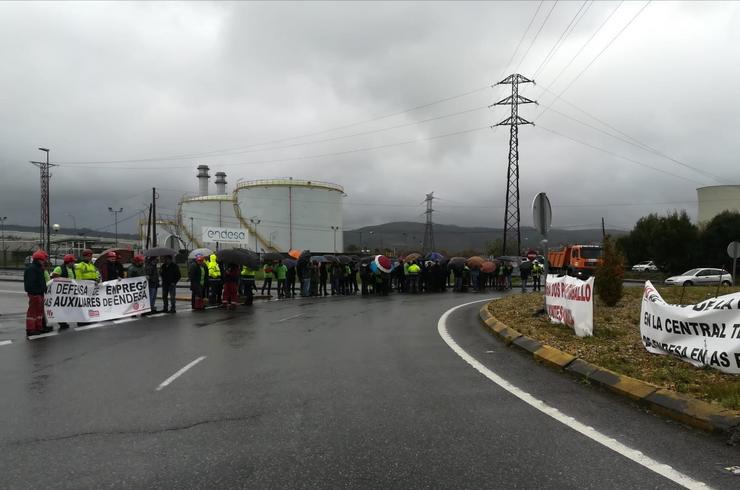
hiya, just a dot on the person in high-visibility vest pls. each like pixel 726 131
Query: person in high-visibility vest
pixel 267 270
pixel 86 270
pixel 67 271
pixel 281 272
pixel 247 284
pixel 215 284
pixel 413 277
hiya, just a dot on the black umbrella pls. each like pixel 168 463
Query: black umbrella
pixel 238 257
pixel 457 262
pixel 318 259
pixel 343 259
pixel 332 258
pixel 290 263
pixel 525 266
pixel 367 259
pixel 159 252
pixel 271 257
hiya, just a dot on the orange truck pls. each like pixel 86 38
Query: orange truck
pixel 576 260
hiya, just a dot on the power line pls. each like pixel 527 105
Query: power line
pixel 637 162
pixel 536 36
pixel 526 31
pixel 564 35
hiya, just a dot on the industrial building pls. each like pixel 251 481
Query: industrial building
pixel 715 199
pixel 277 214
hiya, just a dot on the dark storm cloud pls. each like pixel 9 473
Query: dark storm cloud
pixel 115 81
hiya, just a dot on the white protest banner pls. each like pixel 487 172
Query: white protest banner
pixel 68 300
pixel 570 301
pixel 225 235
pixel 704 334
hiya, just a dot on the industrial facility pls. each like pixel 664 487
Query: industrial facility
pixel 277 215
pixel 715 199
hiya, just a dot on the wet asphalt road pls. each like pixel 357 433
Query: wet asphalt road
pixel 333 392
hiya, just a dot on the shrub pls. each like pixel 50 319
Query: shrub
pixel 610 275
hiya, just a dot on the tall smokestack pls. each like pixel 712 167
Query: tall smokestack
pixel 220 183
pixel 203 180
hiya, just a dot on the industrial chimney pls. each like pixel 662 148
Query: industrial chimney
pixel 220 183
pixel 203 180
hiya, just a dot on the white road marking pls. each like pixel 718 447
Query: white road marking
pixel 157 315
pixel 290 318
pixel 179 373
pixel 12 292
pixel 124 320
pixel 93 325
pixel 616 446
pixel 43 335
pixel 5 342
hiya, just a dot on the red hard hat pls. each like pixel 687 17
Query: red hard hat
pixel 112 255
pixel 69 258
pixel 87 251
pixel 138 258
pixel 40 255
pixel 199 258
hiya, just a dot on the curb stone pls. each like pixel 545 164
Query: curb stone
pixel 696 413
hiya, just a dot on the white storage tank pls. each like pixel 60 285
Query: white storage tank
pixel 293 213
pixel 715 199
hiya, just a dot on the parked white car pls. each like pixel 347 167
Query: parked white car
pixel 647 266
pixel 701 276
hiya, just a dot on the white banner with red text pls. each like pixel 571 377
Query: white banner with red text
pixel 569 301
pixel 71 301
pixel 704 334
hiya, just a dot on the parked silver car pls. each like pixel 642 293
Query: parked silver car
pixel 647 266
pixel 701 276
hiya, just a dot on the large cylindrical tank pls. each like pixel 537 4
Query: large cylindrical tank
pixel 207 211
pixel 715 199
pixel 294 213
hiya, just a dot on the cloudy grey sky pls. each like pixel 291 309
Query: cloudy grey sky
pixel 134 95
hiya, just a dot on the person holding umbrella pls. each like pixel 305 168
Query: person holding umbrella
pixel 231 280
pixel 198 276
pixel 152 276
pixel 170 274
pixel 247 284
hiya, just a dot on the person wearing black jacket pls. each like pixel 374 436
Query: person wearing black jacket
pixel 198 276
pixel 170 274
pixel 34 283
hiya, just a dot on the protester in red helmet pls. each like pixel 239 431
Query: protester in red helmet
pixel 67 271
pixel 86 270
pixel 136 269
pixel 34 283
pixel 110 268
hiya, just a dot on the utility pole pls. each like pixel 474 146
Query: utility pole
pixel 255 222
pixel 603 229
pixel 192 237
pixel 115 214
pixel 334 229
pixel 154 216
pixel 429 228
pixel 2 226
pixel 511 215
pixel 45 228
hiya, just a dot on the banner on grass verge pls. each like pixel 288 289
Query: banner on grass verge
pixel 570 301
pixel 67 300
pixel 704 334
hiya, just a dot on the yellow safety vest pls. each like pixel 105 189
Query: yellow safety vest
pixel 214 271
pixel 86 271
pixel 247 272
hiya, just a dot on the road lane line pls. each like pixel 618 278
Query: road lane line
pixel 43 335
pixel 124 320
pixel 93 325
pixel 290 318
pixel 5 342
pixel 616 446
pixel 179 373
pixel 12 292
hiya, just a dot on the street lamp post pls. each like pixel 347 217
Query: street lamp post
pixel 255 221
pixel 192 237
pixel 115 214
pixel 334 229
pixel 2 227
pixel 371 233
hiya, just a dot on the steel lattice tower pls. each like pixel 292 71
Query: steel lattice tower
pixel 512 215
pixel 45 228
pixel 429 228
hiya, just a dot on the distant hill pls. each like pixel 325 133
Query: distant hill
pixel 406 235
pixel 72 231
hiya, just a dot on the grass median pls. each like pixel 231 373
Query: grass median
pixel 616 342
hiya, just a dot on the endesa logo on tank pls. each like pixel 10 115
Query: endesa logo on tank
pixel 225 235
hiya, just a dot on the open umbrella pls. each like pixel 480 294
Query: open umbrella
pixel 332 259
pixel 525 266
pixel 435 257
pixel 124 255
pixel 238 257
pixel 290 263
pixel 456 262
pixel 271 257
pixel 383 263
pixel 412 257
pixel 366 259
pixel 295 253
pixel 344 259
pixel 205 252
pixel 475 262
pixel 318 259
pixel 159 252
pixel 488 267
